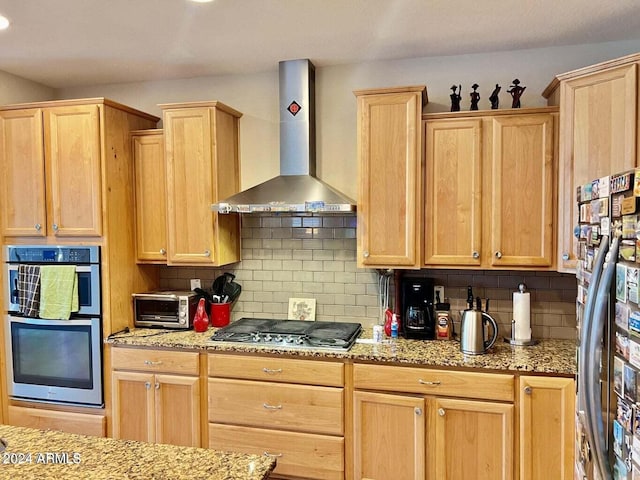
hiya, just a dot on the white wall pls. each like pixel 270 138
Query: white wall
pixel 15 89
pixel 257 97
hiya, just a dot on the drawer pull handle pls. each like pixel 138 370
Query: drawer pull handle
pixel 271 371
pixel 425 382
pixel 272 407
pixel 276 455
pixel 150 362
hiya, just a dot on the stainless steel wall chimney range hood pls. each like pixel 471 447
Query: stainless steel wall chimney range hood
pixel 296 189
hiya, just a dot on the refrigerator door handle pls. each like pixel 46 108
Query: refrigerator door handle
pixel 585 330
pixel 600 314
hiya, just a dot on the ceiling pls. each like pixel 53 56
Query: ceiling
pixel 66 43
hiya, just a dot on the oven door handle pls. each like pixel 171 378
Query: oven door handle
pixel 15 293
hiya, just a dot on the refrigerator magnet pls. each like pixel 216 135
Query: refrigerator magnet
pixel 622 316
pixel 618 378
pixel 621 283
pixel 629 383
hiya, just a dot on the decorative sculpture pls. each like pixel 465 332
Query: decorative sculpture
pixel 475 97
pixel 516 92
pixel 455 98
pixel 495 101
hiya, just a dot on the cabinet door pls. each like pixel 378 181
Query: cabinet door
pixel 546 428
pixel 22 166
pixel 453 192
pixel 470 439
pixel 177 402
pixel 188 148
pixel 133 406
pixel 389 199
pixel 389 436
pixel 151 196
pixel 72 152
pixel 598 135
pixel 521 200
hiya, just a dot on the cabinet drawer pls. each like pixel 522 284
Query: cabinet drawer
pixel 277 369
pixel 147 360
pixel 70 422
pixel 300 408
pixel 490 386
pixel 297 454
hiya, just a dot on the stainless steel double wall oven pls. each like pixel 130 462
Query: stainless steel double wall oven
pixel 55 360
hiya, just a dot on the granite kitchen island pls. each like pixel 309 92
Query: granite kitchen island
pixel 48 455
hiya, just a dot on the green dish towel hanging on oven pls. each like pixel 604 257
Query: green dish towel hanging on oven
pixel 58 291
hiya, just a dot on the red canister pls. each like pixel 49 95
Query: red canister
pixel 220 313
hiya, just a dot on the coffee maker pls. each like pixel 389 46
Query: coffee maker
pixel 417 312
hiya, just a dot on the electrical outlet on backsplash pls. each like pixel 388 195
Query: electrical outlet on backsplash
pixel 315 257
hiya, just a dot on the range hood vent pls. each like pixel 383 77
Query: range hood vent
pixel 296 189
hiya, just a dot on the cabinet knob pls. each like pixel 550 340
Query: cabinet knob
pixel 565 256
pixel 441 412
pixel 55 227
pixel 157 386
pixel 365 254
pixel 163 251
pixel 147 385
pixel 528 390
pixel 207 253
pixel 476 255
pixel 418 411
pixel 498 254
pixel 38 227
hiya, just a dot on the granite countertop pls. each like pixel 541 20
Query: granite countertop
pixel 548 356
pixel 47 455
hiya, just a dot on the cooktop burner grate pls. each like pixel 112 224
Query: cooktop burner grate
pixel 290 333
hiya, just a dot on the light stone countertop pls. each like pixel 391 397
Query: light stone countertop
pixel 549 356
pixel 52 455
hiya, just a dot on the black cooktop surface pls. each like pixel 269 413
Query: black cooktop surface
pixel 290 333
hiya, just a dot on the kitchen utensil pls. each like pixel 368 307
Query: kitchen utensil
pixel 218 284
pixel 231 289
pixel 472 331
pixel 384 277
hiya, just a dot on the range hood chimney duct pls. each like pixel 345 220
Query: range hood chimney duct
pixel 296 189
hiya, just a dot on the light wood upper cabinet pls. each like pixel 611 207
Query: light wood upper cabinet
pixel 22 165
pixel 201 148
pixel 72 150
pixel 54 153
pixel 151 195
pixel 489 189
pixel 598 135
pixel 470 439
pixel 389 149
pixel 521 194
pixel 547 427
pixel 453 214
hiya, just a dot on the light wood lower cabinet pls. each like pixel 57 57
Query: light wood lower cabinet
pixel 290 409
pixel 470 439
pixel 547 427
pixel 389 436
pixel 152 406
pixel 465 437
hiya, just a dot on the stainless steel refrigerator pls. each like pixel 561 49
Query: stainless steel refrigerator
pixel 608 319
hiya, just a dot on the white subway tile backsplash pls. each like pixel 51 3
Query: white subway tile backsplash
pixel 304 256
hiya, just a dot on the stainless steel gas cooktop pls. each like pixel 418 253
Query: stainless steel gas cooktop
pixel 337 336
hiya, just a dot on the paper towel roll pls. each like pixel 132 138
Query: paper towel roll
pixel 522 316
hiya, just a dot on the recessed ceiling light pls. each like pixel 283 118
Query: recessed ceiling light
pixel 202 1
pixel 4 22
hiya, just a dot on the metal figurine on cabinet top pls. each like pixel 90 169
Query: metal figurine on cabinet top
pixel 516 92
pixel 495 101
pixel 475 97
pixel 455 98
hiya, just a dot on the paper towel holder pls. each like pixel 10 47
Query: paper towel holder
pixel 512 341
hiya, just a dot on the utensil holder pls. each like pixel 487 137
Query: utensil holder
pixel 220 314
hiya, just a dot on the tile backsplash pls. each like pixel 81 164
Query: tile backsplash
pixel 303 256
